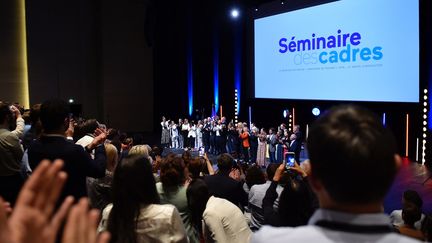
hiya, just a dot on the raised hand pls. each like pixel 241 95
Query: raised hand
pixel 33 218
pixel 81 225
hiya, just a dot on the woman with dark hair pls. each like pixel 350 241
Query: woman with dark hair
pixel 172 190
pixel 296 204
pixel 254 176
pixel 223 221
pixel 135 214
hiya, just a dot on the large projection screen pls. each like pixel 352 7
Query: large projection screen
pixel 348 50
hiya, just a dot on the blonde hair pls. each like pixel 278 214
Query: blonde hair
pixel 112 156
pixel 142 150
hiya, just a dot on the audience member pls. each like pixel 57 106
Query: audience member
pixel 220 220
pixel 256 196
pixel 199 167
pixel 172 190
pixel 410 215
pixel 223 186
pixel 426 228
pixel 99 190
pixel 142 150
pixel 409 197
pixel 295 206
pixel 135 214
pixel 53 145
pixel 346 145
pixel 35 126
pixel 11 151
pixel 254 176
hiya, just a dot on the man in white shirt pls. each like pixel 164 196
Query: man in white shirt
pixel 353 164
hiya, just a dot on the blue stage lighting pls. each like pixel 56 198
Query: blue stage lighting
pixel 285 113
pixel 316 111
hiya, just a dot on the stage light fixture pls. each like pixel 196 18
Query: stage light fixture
pixel 425 97
pixel 71 101
pixel 424 110
pixel 424 103
pixel 282 1
pixel 424 129
pixel 425 123
pixel 235 13
pixel 285 113
pixel 425 91
pixel 290 120
pixel 424 116
pixel 316 111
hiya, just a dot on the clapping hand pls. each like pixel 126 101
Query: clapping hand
pixel 33 218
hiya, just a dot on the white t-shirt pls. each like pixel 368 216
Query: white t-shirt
pixel 156 223
pixel 225 222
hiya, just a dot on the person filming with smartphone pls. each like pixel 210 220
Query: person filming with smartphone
pixel 296 202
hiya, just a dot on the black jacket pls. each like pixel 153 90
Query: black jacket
pixel 223 186
pixel 77 162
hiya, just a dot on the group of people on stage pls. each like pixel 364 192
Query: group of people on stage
pixel 215 135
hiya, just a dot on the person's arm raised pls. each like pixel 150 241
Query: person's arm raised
pixel 33 218
pixel 209 165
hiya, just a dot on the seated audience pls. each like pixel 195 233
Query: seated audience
pixel 99 190
pixel 11 151
pixel 353 164
pixel 256 196
pixel 135 214
pixel 54 145
pixel 410 214
pixel 409 197
pixel 172 190
pixel 223 186
pixel 220 220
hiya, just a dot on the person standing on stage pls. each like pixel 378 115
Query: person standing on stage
pixel 218 136
pixel 199 135
pixel 184 133
pixel 271 140
pixel 206 135
pixel 165 136
pixel 174 133
pixel 180 138
pixel 244 136
pixel 192 135
pixel 212 138
pixel 253 142
pixel 262 148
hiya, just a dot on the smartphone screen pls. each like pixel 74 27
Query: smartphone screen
pixel 289 160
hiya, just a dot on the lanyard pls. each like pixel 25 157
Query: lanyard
pixel 352 228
